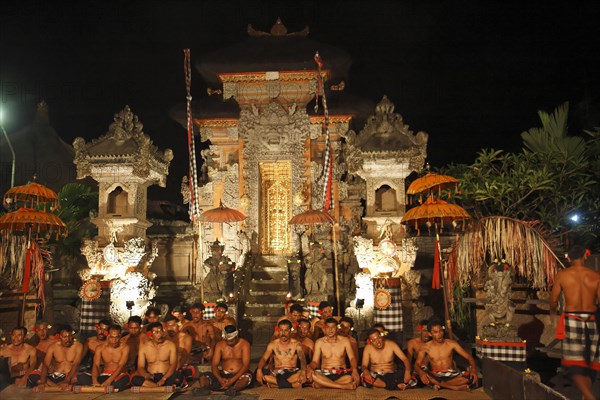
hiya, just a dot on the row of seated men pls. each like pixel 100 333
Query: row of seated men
pixel 150 355
pixel 164 352
pixel 337 362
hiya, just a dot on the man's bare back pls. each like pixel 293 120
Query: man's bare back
pixel 581 287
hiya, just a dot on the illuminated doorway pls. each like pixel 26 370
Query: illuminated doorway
pixel 275 207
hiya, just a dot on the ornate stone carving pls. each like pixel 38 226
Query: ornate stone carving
pixel 498 306
pixel 219 279
pixel 316 279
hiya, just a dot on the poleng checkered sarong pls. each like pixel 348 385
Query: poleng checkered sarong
pixel 94 310
pixel 209 311
pixel 313 308
pixel 580 345
pixel 501 351
pixel 391 317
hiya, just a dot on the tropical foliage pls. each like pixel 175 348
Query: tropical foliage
pixel 554 178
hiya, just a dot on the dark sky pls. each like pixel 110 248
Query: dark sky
pixel 471 74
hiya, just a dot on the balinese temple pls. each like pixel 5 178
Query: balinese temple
pixel 263 147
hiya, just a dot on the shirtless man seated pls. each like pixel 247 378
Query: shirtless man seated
pixel 294 314
pixel 318 323
pixel 330 352
pixel 110 359
pixel 157 360
pixel 232 354
pixel 90 345
pixel 415 344
pixel 345 328
pixel 221 319
pixel 133 339
pixel 286 352
pixel 41 340
pixel 441 372
pixel 202 333
pixel 66 355
pixel 304 338
pixel 183 341
pixel 22 358
pixel 379 367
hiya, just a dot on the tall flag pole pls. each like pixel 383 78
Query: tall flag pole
pixel 193 174
pixel 328 162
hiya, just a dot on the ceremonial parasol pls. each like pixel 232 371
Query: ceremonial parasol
pixel 436 212
pixel 313 217
pixel 221 214
pixel 29 220
pixel 431 181
pixel 33 193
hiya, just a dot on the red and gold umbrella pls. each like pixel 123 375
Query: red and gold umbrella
pixel 31 220
pixel 434 212
pixel 311 217
pixel 431 181
pixel 33 194
pixel 222 214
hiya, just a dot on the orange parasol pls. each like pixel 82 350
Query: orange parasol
pixel 311 217
pixel 431 181
pixel 32 193
pixel 222 214
pixel 434 212
pixel 30 220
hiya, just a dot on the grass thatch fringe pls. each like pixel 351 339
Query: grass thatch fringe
pixel 520 243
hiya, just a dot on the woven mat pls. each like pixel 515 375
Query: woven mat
pixel 14 393
pixel 363 393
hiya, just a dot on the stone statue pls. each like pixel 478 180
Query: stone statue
pixel 497 304
pixel 219 279
pixel 316 278
pixel 294 265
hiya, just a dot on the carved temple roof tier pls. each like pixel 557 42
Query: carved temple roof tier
pixel 279 51
pixel 126 145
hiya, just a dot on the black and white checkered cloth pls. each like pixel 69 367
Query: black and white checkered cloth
pixel 209 311
pixel 391 317
pixel 313 308
pixel 501 351
pixel 578 327
pixel 94 310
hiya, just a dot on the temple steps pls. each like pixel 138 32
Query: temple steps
pixel 266 295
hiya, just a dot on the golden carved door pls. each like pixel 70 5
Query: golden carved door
pixel 275 207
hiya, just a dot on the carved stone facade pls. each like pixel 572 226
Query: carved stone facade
pixel 124 162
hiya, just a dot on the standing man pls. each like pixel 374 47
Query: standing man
pixel 578 324
pixel 41 340
pixel 157 360
pixel 133 339
pixel 66 355
pixel 233 354
pixel 113 355
pixel 183 341
pixel 22 358
pixel 221 319
pixel 441 372
pixel 330 352
pixel 287 352
pixel 202 333
pixel 379 367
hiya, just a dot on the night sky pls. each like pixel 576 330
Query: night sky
pixel 471 74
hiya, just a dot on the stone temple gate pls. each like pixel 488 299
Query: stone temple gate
pixel 264 147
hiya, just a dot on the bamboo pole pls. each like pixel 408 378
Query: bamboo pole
pixel 335 269
pixel 198 237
